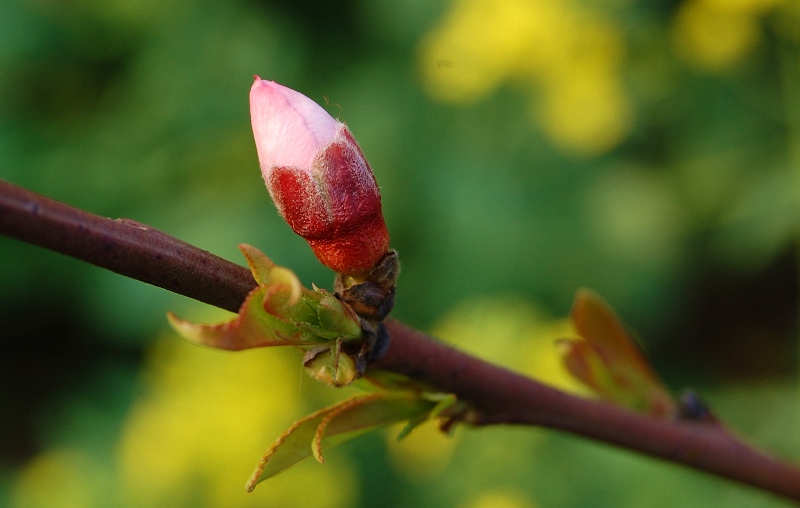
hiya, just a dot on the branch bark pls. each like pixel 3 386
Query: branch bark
pixel 500 396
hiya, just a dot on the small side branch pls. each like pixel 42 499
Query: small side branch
pixel 499 396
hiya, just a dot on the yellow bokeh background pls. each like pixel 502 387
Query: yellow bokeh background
pixel 193 436
pixel 524 149
pixel 715 35
pixel 565 55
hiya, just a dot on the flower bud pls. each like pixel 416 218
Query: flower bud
pixel 318 178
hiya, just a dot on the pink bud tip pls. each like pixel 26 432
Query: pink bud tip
pixel 318 178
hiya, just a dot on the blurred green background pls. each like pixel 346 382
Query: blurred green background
pixel 525 148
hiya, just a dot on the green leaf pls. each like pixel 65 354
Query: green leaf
pixel 258 262
pixel 596 322
pixel 334 315
pixel 443 401
pixel 608 360
pixel 330 365
pixel 279 312
pixel 585 364
pixel 337 424
pixel 253 327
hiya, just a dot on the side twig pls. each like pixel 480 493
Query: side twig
pixel 499 396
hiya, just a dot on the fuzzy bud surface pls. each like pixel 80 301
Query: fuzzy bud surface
pixel 318 178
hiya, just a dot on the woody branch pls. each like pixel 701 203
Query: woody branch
pixel 500 396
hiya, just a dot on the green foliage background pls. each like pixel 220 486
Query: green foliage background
pixel 648 150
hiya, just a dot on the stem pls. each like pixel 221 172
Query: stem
pixel 500 396
pixel 123 246
pixel 503 396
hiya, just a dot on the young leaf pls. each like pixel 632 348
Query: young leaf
pixel 608 360
pixel 258 262
pixel 252 327
pixel 442 402
pixel 279 312
pixel 598 324
pixel 584 362
pixel 336 424
pixel 330 365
